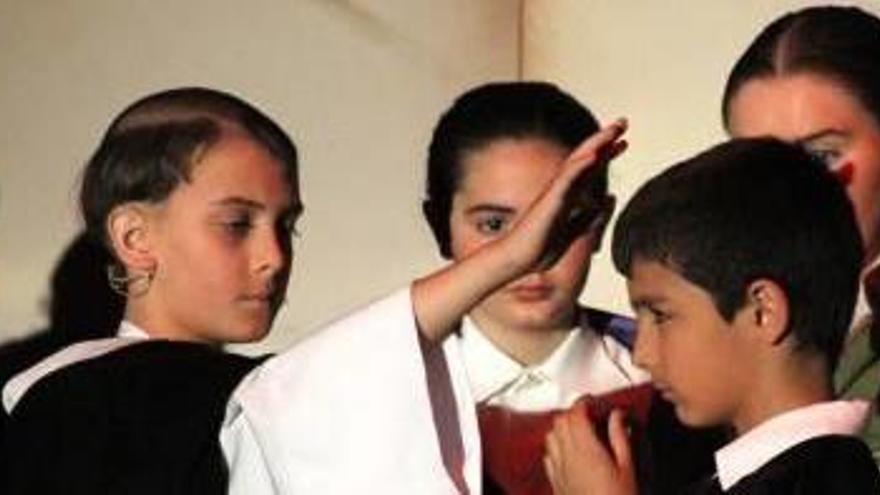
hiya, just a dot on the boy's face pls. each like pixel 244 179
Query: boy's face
pixel 500 181
pixel 697 360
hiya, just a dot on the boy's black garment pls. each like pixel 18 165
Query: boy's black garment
pixel 826 465
pixel 141 419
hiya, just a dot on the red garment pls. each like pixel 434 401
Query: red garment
pixel 513 442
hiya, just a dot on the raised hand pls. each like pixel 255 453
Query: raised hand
pixel 567 209
pixel 560 214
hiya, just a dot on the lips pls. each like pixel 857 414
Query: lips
pixel 531 292
pixel 269 298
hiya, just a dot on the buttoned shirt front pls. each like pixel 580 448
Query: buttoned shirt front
pixel 586 361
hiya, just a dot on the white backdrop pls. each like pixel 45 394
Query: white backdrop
pixel 359 85
pixel 662 64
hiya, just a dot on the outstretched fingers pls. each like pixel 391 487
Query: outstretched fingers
pixel 596 150
pixel 572 196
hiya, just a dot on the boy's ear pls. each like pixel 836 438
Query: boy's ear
pixel 599 225
pixel 767 304
pixel 128 228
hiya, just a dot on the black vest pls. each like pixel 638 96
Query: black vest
pixel 141 419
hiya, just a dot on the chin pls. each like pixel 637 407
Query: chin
pixel 247 332
pixel 694 419
pixel 541 316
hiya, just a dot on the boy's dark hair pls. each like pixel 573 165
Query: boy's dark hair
pixel 842 43
pixel 482 115
pixel 750 209
pixel 153 144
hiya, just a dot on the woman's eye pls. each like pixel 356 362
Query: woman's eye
pixel 491 225
pixel 827 156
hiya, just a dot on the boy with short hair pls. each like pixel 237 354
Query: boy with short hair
pixel 742 266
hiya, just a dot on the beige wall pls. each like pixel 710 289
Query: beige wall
pixel 358 84
pixel 662 64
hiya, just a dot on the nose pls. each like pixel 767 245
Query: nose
pixel 274 253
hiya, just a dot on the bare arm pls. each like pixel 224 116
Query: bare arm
pixel 441 299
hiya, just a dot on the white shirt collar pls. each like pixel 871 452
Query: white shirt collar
pixel 129 330
pixel 762 443
pixel 584 362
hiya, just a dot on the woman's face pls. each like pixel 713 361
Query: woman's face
pixel 827 119
pixel 499 182
pixel 223 246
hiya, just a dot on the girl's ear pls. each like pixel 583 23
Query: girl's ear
pixel 128 228
pixel 767 304
pixel 600 224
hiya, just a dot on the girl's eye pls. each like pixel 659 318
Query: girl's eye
pixel 238 227
pixel 491 225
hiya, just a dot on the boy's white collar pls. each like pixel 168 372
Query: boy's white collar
pixel 762 443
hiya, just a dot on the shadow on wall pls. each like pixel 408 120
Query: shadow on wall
pixel 81 306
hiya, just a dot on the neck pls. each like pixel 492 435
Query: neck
pixel 792 385
pixel 527 345
pixel 155 325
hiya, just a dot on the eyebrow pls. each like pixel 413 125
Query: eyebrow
pixel 645 301
pixel 490 208
pixel 239 201
pixel 823 133
pixel 295 209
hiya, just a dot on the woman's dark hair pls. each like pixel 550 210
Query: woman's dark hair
pixel 841 43
pixel 752 209
pixel 490 112
pixel 154 143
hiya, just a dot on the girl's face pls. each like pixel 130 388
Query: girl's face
pixel 222 243
pixel 825 117
pixel 499 182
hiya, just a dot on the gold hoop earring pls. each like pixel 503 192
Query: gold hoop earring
pixel 128 285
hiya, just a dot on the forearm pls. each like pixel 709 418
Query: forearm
pixel 442 298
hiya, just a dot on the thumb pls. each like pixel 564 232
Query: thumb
pixel 618 437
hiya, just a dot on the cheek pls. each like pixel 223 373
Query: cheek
pixel 865 185
pixel 864 190
pixel 202 258
pixel 465 240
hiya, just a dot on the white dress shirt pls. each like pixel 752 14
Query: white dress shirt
pixel 585 362
pixel 761 444
pixel 348 410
